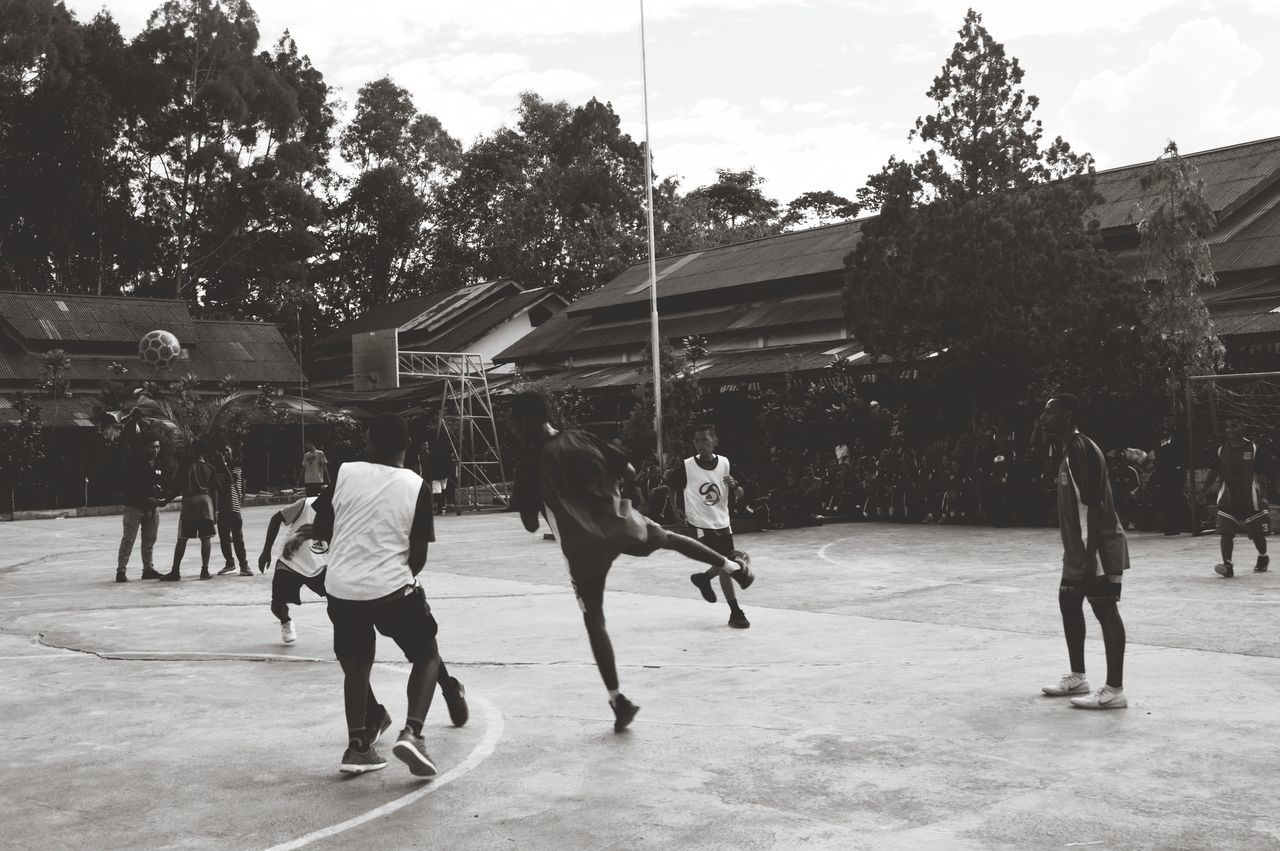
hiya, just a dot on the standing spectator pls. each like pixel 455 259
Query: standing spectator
pixel 1094 559
pixel 1171 479
pixel 230 473
pixel 441 466
pixel 144 493
pixel 315 470
pixel 199 488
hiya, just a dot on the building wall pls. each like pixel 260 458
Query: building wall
pixel 505 335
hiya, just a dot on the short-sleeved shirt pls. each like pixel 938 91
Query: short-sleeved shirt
pixel 578 476
pixel 1092 536
pixel 1237 467
pixel 304 562
pixel 314 465
pixel 375 511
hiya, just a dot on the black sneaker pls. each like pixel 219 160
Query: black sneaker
pixel 1224 569
pixel 412 751
pixel 624 712
pixel 375 730
pixel 151 573
pixel 703 581
pixel 358 762
pixel 743 577
pixel 171 576
pixel 738 620
pixel 455 697
pixel 1263 562
pixel 205 574
pixel 231 568
pixel 120 577
pixel 245 571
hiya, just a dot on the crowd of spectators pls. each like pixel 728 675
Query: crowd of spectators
pixel 995 475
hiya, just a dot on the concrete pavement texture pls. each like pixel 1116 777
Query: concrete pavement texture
pixel 887 695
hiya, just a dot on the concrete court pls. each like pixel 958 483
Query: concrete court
pixel 886 696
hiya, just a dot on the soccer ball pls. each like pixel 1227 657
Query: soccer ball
pixel 159 348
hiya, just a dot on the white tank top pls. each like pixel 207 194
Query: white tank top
pixel 706 496
pixel 308 560
pixel 373 508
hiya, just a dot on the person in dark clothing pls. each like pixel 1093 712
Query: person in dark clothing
pixel 144 494
pixel 440 470
pixel 1094 559
pixel 199 488
pixel 230 474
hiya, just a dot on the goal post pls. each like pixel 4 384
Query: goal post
pixel 1251 397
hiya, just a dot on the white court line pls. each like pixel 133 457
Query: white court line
pixel 493 723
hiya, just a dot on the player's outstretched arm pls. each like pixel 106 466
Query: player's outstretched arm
pixel 273 529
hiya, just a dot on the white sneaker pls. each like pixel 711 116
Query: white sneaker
pixel 1069 684
pixel 1104 698
pixel 287 632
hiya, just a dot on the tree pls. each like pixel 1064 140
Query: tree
pixel 67 92
pixel 818 208
pixel 733 209
pixel 378 231
pixel 683 405
pixel 983 250
pixel 1176 268
pixel 555 201
pixel 22 449
pixel 227 161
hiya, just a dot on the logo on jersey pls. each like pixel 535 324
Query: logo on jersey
pixel 710 493
pixel 319 547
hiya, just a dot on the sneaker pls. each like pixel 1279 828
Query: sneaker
pixel 1104 698
pixel 1069 684
pixel 743 577
pixel 120 577
pixel 375 731
pixel 455 697
pixel 1261 566
pixel 288 633
pixel 703 583
pixel 1224 569
pixel 738 620
pixel 412 751
pixel 358 762
pixel 151 573
pixel 205 574
pixel 171 576
pixel 624 712
pixel 245 571
pixel 231 568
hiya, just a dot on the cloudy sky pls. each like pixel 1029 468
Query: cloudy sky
pixel 813 94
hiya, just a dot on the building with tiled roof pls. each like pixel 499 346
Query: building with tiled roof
pixel 773 305
pixel 482 319
pixel 96 331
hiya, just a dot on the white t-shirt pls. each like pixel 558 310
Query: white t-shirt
pixel 706 496
pixel 304 562
pixel 374 506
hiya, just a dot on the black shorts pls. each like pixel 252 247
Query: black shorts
pixel 286 586
pixel 716 539
pixel 196 517
pixel 1095 588
pixel 404 617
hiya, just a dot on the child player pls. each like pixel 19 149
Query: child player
pixel 295 570
pixel 706 479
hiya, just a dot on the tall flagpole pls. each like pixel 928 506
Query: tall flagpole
pixel 653 263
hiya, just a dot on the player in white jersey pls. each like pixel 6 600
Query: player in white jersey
pixel 706 480
pixel 377 517
pixel 304 568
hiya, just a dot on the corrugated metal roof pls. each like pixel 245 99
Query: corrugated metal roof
pixel 716 366
pixel 420 313
pixel 76 411
pixel 458 335
pixel 1229 175
pixel 41 319
pixel 816 251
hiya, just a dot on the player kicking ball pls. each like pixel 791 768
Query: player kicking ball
pixel 1241 506
pixel 572 478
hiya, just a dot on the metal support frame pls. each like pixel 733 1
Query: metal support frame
pixel 466 418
